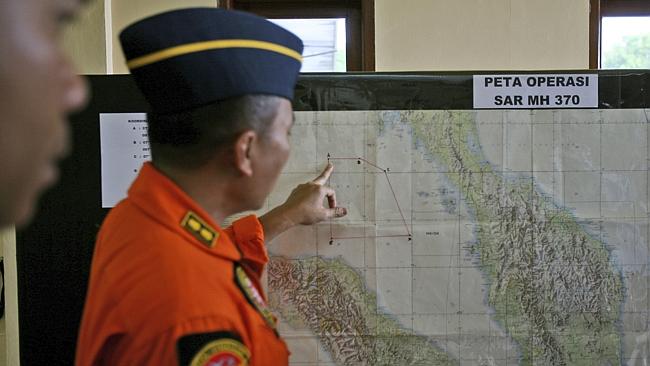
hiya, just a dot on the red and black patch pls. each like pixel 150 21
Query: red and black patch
pixel 211 349
pixel 254 297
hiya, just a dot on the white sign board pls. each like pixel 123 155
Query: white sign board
pixel 536 91
pixel 124 148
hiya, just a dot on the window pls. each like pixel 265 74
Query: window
pixel 619 34
pixel 324 41
pixel 339 35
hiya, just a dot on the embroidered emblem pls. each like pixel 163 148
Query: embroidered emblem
pixel 227 352
pixel 199 229
pixel 253 296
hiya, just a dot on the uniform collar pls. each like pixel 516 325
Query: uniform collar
pixel 165 202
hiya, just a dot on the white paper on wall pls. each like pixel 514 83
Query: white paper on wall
pixel 124 148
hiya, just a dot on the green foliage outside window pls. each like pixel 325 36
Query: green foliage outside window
pixel 633 53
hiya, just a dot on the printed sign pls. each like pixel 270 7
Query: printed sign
pixel 536 91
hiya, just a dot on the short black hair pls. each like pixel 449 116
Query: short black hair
pixel 191 138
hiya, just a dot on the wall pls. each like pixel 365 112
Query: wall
pixel 411 35
pixel 125 12
pixel 481 34
pixel 85 39
pixel 9 351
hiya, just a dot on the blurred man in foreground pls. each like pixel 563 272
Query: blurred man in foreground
pixel 38 88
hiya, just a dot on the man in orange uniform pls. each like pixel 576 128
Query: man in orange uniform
pixel 168 285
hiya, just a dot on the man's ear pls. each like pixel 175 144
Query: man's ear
pixel 243 152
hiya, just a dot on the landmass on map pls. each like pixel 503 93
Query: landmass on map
pixel 552 285
pixel 330 298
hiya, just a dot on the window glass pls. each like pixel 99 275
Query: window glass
pixel 324 41
pixel 625 43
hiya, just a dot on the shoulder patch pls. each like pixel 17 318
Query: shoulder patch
pixel 216 348
pixel 200 229
pixel 253 296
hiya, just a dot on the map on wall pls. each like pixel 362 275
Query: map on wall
pixel 472 238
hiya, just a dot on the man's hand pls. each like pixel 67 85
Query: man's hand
pixel 305 203
pixel 303 207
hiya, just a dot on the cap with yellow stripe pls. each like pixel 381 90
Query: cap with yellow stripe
pixel 189 58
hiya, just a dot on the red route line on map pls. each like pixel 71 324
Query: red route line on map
pixel 397 203
pixel 370 237
pixel 385 171
pixel 359 159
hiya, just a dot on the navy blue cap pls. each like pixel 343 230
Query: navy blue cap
pixel 189 58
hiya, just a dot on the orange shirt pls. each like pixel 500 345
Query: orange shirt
pixel 169 287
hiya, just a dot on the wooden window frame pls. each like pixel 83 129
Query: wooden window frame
pixel 359 22
pixel 606 8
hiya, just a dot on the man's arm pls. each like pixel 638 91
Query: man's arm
pixel 303 207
